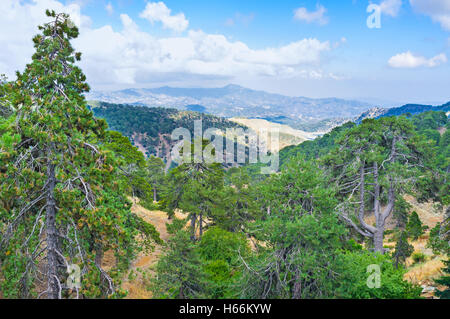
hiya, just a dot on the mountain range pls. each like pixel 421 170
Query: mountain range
pixel 237 101
pixel 411 109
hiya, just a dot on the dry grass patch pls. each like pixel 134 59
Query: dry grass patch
pixel 425 273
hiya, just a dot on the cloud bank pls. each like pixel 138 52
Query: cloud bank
pixel 131 56
pixel 410 61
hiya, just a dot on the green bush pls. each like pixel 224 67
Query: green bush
pixel 354 277
pixel 418 257
pixel 220 250
pixel 219 244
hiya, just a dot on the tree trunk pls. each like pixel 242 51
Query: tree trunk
pixel 98 255
pixel 379 221
pixel 200 226
pixel 361 194
pixel 52 236
pixel 154 194
pixel 378 239
pixel 193 219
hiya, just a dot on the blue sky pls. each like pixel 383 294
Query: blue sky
pixel 299 48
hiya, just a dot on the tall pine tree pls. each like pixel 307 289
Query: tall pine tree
pixel 60 204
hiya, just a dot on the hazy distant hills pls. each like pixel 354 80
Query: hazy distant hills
pixel 405 109
pixel 237 101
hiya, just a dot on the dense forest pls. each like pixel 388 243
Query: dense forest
pixel 332 223
pixel 149 126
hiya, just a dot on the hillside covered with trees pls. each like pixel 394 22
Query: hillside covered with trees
pixel 151 127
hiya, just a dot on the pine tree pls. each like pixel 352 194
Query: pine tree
pixel 60 202
pixel 238 201
pixel 131 164
pixel 194 188
pixel 179 272
pixel 372 165
pixel 301 235
pixel 415 227
pixel 155 167
pixel 402 249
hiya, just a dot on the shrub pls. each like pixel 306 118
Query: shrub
pixel 418 257
pixel 219 244
pixel 354 277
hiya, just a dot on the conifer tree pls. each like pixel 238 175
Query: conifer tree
pixel 60 203
pixel 193 187
pixel 373 164
pixel 155 168
pixel 415 227
pixel 402 249
pixel 179 271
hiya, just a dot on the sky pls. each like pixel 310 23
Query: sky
pixel 391 51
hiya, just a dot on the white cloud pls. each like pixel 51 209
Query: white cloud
pixel 438 10
pixel 391 7
pixel 18 24
pixel 317 16
pixel 158 12
pixel 109 8
pixel 410 61
pixel 131 56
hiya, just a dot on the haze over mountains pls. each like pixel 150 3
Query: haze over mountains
pixel 232 101
pixel 412 109
pixel 237 101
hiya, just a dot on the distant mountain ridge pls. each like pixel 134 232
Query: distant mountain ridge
pixel 236 101
pixel 405 109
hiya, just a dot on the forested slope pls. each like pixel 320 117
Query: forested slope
pixel 150 128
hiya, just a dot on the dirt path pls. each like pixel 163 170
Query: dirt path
pixel 143 267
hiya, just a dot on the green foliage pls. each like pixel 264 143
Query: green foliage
pixel 354 277
pixel 156 175
pixel 131 165
pixel 401 211
pixel 301 235
pixel 415 227
pixel 418 257
pixel 444 281
pixel 237 202
pixel 220 244
pixel 440 236
pixel 179 272
pixel 148 125
pixel 59 180
pixel 314 149
pixel 429 121
pixel 194 187
pixel 220 251
pixel 402 249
